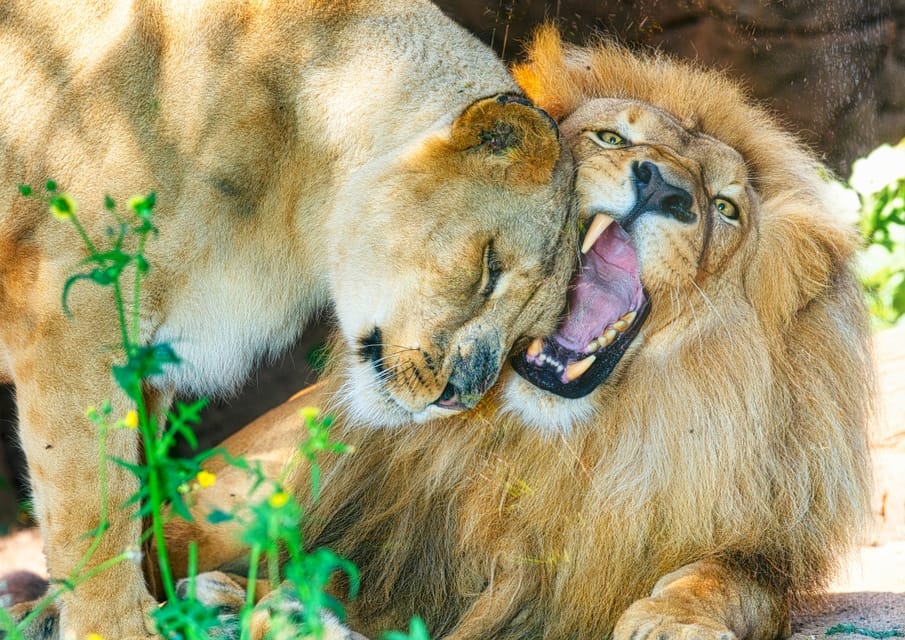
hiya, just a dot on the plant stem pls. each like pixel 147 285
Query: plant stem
pixel 121 315
pixel 83 234
pixel 250 591
pixel 102 481
pixel 152 460
pixel 73 584
pixel 136 288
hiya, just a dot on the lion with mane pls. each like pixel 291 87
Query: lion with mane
pixel 685 456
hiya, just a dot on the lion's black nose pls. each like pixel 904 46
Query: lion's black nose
pixel 653 194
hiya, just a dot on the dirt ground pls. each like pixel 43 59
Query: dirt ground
pixel 868 595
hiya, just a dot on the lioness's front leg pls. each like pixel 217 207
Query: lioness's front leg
pixel 62 367
pixel 706 600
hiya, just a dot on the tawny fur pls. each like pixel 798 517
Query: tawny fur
pixel 718 476
pixel 301 153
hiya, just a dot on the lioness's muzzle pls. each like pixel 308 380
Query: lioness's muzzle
pixel 472 375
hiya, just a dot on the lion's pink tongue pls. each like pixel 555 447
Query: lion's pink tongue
pixel 605 289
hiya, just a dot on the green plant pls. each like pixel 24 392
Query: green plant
pixel 861 631
pixel 879 181
pixel 272 526
pixel 417 631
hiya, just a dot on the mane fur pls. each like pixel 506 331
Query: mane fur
pixel 741 435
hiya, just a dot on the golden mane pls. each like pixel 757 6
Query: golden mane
pixel 488 528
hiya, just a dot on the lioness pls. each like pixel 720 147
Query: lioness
pixel 685 456
pixel 368 154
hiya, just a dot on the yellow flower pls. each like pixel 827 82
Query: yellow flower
pixel 206 478
pixel 62 206
pixel 94 636
pixel 131 419
pixel 278 499
pixel 309 413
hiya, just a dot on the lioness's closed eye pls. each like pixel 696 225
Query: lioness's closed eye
pixel 368 155
pixel 685 455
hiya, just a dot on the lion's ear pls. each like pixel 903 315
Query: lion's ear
pixel 543 74
pixel 509 132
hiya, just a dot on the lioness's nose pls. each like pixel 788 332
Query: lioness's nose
pixel 655 195
pixel 471 376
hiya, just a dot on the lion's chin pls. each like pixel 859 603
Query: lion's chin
pixel 542 411
pixel 366 401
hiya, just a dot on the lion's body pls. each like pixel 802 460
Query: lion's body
pixel 301 153
pixel 718 475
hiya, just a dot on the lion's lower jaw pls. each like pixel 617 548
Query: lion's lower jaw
pixel 543 411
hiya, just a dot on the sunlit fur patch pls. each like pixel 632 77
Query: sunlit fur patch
pixel 543 411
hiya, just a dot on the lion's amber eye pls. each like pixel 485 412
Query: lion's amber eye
pixel 726 208
pixel 608 138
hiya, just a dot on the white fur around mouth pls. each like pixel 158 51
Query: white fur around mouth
pixel 432 412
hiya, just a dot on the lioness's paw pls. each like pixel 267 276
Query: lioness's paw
pixel 658 619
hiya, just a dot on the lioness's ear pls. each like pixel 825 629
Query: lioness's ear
pixel 510 132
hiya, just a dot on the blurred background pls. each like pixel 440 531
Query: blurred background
pixel 833 71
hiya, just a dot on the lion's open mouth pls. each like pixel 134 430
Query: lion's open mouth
pixel 606 308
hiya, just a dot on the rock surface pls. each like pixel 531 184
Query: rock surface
pixel 834 70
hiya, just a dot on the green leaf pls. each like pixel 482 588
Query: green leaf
pixel 861 631
pixel 218 516
pixel 141 364
pixel 109 203
pixel 98 530
pixel 187 413
pixel 136 469
pixel 25 190
pixel 417 631
pixel 898 300
pixel 50 185
pixel 186 619
pixel 68 285
pixel 318 356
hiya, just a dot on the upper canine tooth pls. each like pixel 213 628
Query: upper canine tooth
pixel 536 346
pixel 598 225
pixel 577 369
